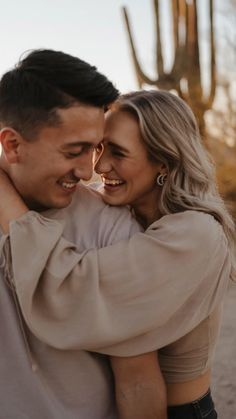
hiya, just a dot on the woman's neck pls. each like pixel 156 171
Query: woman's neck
pixel 146 219
pixel 146 209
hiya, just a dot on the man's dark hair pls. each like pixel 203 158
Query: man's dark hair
pixel 44 81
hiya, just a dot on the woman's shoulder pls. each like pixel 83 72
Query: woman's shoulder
pixel 195 220
pixel 190 226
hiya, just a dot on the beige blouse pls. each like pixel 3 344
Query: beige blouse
pixel 159 289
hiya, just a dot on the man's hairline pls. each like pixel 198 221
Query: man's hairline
pixel 53 114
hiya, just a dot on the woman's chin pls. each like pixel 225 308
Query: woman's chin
pixel 111 199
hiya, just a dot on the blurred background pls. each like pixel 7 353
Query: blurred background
pixel 187 46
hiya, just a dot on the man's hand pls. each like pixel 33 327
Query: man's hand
pixel 140 388
pixel 11 204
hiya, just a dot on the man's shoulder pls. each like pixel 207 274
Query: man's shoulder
pixel 85 200
pixel 111 223
pixel 96 224
pixel 85 194
pixel 89 201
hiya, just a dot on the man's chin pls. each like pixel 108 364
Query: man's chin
pixel 52 204
pixel 58 205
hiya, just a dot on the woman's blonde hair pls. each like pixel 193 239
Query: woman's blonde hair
pixel 171 136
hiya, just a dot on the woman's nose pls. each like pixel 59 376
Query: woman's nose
pixel 102 163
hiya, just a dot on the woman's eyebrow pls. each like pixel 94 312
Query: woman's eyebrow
pixel 110 143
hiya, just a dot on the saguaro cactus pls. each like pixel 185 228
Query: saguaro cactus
pixel 185 74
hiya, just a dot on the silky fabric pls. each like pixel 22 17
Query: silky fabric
pixel 162 289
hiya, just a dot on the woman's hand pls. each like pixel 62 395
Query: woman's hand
pixel 11 204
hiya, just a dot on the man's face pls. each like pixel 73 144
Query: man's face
pixel 49 168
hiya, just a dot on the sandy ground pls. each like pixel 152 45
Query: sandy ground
pixel 224 369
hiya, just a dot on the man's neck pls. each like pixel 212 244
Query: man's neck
pixel 34 206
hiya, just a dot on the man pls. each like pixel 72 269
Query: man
pixel 52 115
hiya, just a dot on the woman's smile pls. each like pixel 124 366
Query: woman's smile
pixel 111 182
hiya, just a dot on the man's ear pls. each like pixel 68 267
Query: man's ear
pixel 10 141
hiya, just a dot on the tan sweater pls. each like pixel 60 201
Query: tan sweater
pixel 160 289
pixel 38 381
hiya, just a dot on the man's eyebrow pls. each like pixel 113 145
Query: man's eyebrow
pixel 76 144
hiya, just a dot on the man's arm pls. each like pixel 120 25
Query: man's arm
pixel 140 388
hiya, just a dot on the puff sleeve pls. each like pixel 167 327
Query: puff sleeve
pixel 126 299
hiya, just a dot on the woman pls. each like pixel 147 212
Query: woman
pixel 134 173
pixel 177 271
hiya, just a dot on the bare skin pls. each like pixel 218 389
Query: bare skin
pixel 140 388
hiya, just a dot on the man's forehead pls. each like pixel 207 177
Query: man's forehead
pixel 87 112
pixel 77 144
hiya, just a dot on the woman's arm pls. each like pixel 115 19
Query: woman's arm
pixel 140 388
pixel 126 299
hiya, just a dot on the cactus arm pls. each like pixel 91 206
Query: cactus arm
pixel 141 77
pixel 179 63
pixel 194 74
pixel 213 63
pixel 159 56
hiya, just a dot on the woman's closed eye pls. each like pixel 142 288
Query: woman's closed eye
pixel 73 155
pixel 117 153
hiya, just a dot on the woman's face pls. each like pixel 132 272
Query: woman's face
pixel 128 176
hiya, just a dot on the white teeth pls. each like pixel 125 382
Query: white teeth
pixel 112 181
pixel 69 185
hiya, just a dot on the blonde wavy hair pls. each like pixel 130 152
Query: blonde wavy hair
pixel 171 136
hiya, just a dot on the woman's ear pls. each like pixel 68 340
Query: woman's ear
pixel 10 141
pixel 162 169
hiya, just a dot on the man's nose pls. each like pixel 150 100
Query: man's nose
pixel 102 163
pixel 84 169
